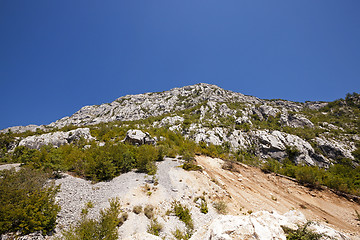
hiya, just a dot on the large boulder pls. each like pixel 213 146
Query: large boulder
pixel 56 139
pixel 295 120
pixel 261 225
pixel 138 137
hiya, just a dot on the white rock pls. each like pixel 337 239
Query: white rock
pixel 56 139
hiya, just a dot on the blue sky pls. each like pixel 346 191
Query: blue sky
pixel 58 56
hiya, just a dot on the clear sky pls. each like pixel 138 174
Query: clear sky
pixel 57 56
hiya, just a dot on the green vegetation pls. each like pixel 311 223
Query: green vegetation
pixel 105 227
pixel 203 204
pixel 180 235
pixel 92 162
pixel 149 211
pixel 137 209
pixel 203 207
pixel 357 214
pixel 183 213
pixel 154 227
pixel 301 233
pixel 220 207
pixel 341 177
pixel 27 202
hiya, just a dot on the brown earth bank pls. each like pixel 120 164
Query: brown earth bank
pixel 248 189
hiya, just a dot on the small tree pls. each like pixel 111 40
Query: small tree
pixel 27 202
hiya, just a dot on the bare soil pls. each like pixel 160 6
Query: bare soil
pixel 248 189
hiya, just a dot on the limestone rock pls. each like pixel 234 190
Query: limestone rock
pixel 143 236
pixel 137 137
pixel 243 119
pixel 315 105
pixel 56 139
pixel 170 121
pixel 295 120
pixel 21 129
pixel 268 111
pixel 140 106
pixel 335 149
pixel 273 144
pixel 31 236
pixel 261 225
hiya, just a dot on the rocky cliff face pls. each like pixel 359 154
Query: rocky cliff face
pixel 210 114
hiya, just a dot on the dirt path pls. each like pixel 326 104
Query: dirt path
pixel 249 189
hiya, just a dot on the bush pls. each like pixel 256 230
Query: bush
pixel 308 175
pixel 149 211
pixel 301 233
pixel 220 207
pixel 229 166
pixel 191 166
pixel 183 213
pixel 271 165
pixel 97 229
pixel 147 155
pixel 27 202
pixel 155 227
pixel 179 235
pixel 203 207
pixel 137 209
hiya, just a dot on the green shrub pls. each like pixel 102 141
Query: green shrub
pixel 147 155
pixel 180 235
pixel 149 211
pixel 155 227
pixel 191 166
pixel 220 207
pixel 183 213
pixel 203 207
pixel 271 165
pixel 27 202
pixel 105 227
pixel 301 233
pixel 137 209
pixel 308 175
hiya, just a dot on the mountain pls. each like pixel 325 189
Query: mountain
pixel 318 133
pixel 197 161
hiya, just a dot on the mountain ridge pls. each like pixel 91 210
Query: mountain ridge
pixel 91 112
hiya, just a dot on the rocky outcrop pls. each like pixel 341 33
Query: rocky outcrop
pixel 295 120
pixel 335 150
pixel 262 225
pixel 56 139
pixel 268 111
pixel 275 144
pixel 136 107
pixel 137 137
pixel 266 143
pixel 169 121
pixel 315 105
pixel 22 129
